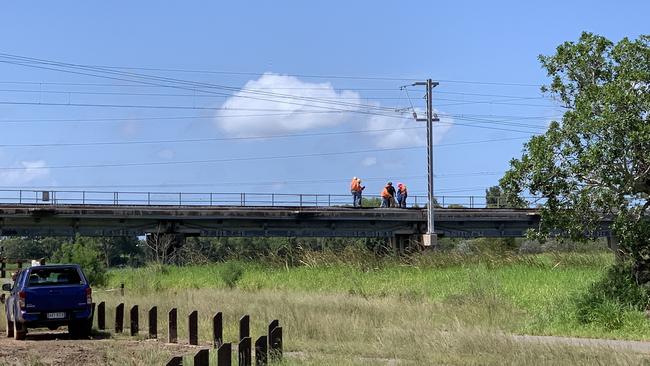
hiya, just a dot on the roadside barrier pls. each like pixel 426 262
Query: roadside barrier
pixel 267 348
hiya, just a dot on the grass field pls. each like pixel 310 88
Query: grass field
pixel 436 309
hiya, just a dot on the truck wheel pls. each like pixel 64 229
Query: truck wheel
pixel 20 332
pixel 10 328
pixel 79 329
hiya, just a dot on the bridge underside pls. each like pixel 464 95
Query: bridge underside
pixel 45 220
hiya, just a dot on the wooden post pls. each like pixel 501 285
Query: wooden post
pixel 261 351
pixel 224 355
pixel 244 351
pixel 121 289
pixel 173 326
pixel 119 318
pixel 275 344
pixel 135 320
pixel 202 358
pixel 101 316
pixel 217 330
pixel 194 327
pixel 153 322
pixel 272 325
pixel 244 327
pixel 175 361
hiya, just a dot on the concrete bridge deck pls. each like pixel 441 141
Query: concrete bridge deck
pixel 237 221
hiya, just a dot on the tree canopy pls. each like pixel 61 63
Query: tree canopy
pixel 594 163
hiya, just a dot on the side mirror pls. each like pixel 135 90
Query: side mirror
pixel 6 287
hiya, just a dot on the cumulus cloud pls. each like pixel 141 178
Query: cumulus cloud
pixel 31 171
pixel 401 132
pixel 369 161
pixel 258 110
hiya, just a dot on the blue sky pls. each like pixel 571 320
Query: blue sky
pixel 325 76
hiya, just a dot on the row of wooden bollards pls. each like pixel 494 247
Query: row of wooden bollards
pixel 267 347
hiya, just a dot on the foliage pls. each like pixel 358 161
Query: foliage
pixel 495 198
pixel 231 274
pixel 84 252
pixel 595 162
pixel 31 247
pixel 607 300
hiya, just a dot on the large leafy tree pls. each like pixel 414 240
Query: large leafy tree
pixel 594 164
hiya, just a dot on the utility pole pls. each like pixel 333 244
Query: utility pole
pixel 429 239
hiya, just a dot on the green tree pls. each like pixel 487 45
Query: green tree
pixel 594 164
pixel 85 252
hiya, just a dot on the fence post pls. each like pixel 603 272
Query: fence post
pixel 122 289
pixel 244 327
pixel 217 330
pixel 119 318
pixel 175 361
pixel 180 198
pixel 135 320
pixel 173 326
pixel 275 344
pixel 20 196
pixel 202 358
pixel 101 316
pixel 148 198
pixel 3 270
pixel 416 201
pixel 316 200
pixel 329 200
pixel 244 351
pixel 301 200
pixel 193 327
pixel 153 322
pixel 261 351
pixel 224 355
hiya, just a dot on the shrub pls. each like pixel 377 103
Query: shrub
pixel 85 253
pixel 609 300
pixel 232 273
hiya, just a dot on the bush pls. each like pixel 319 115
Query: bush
pixel 85 253
pixel 608 301
pixel 232 273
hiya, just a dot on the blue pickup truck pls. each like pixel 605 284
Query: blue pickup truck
pixel 49 296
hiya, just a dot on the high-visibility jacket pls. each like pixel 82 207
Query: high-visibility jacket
pixel 355 185
pixel 384 193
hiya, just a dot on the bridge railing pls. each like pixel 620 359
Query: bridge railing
pixel 242 199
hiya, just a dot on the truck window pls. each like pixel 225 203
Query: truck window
pixel 54 277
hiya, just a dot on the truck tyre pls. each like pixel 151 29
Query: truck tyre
pixel 20 332
pixel 10 328
pixel 79 329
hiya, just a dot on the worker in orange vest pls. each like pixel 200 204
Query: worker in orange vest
pixel 356 189
pixel 386 195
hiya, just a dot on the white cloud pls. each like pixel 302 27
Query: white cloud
pixel 401 132
pixel 32 170
pixel 167 154
pixel 256 103
pixel 369 161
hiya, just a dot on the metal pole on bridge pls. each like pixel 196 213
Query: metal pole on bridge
pixel 429 238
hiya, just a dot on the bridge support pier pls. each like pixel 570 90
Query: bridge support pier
pixel 401 243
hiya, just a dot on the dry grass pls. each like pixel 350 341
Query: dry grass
pixel 345 329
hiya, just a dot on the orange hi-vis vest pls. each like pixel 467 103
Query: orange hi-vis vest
pixel 384 193
pixel 355 186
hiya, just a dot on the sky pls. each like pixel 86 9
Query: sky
pixel 280 97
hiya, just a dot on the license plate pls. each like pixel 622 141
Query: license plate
pixel 55 315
